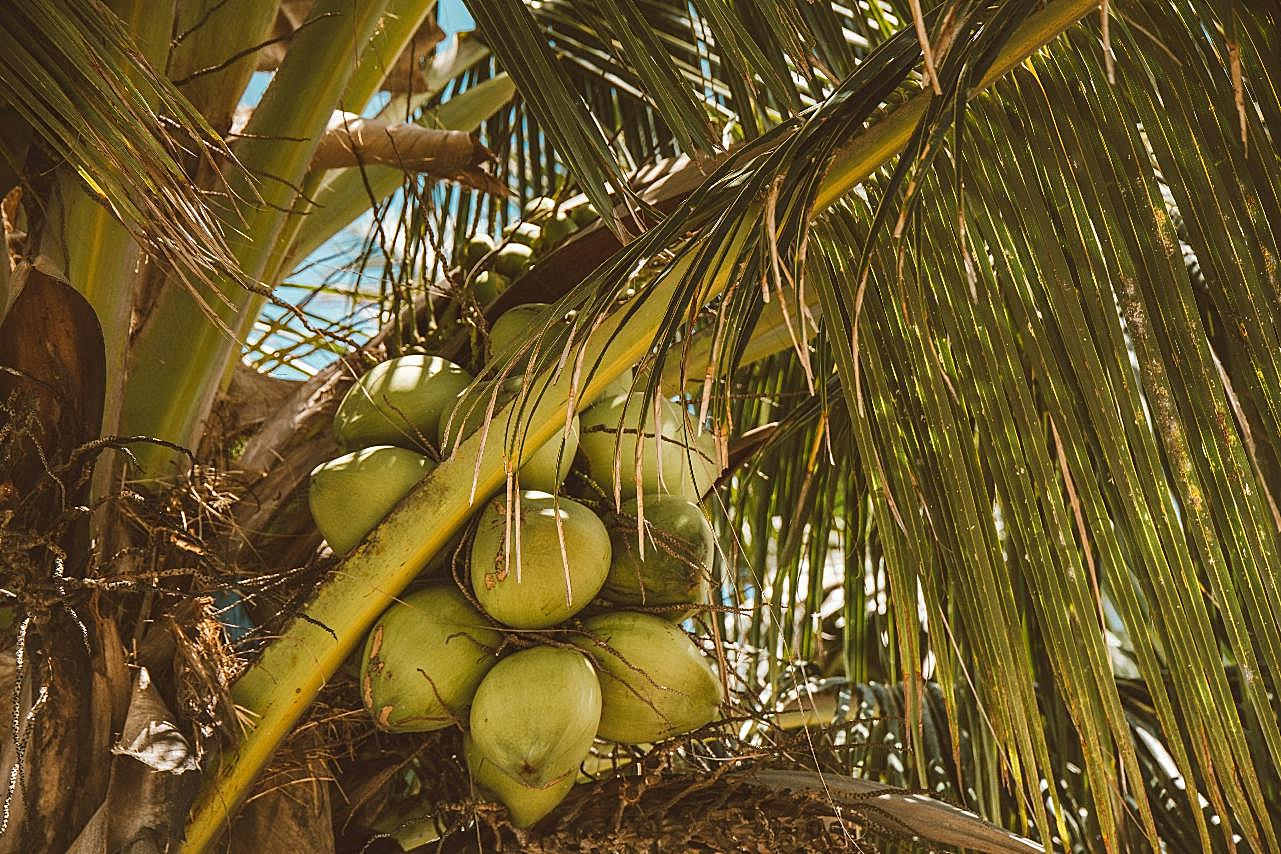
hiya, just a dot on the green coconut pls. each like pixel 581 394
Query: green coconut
pixel 673 461
pixel 535 714
pixel 424 659
pixel 477 248
pixel 527 233
pixel 546 581
pixel 555 230
pixel 488 285
pixel 525 804
pixel 679 547
pixel 622 384
pixel 398 402
pixel 545 469
pixel 582 215
pixel 517 325
pixel 538 209
pixel 350 495
pixel 655 683
pixel 513 259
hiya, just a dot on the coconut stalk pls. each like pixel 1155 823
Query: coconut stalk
pixel 277 689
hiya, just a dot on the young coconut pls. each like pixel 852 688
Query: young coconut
pixel 477 248
pixel 398 401
pixel 555 229
pixel 424 659
pixel 621 384
pixel 515 326
pixel 513 259
pixel 545 469
pixel 523 232
pixel 525 804
pixel 679 547
pixel 350 495
pixel 535 714
pixel 582 215
pixel 654 682
pixel 547 580
pixel 673 461
pixel 488 285
pixel 538 209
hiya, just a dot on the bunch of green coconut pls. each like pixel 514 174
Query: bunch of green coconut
pixel 565 625
pixel 543 225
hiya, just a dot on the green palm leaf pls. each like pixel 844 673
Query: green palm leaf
pixel 71 72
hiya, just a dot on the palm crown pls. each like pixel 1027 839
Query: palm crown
pixel 979 302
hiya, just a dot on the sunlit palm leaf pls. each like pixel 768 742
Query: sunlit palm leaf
pixel 72 73
pixel 933 304
pixel 1019 527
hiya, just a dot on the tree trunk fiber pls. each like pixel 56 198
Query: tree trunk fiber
pixel 63 786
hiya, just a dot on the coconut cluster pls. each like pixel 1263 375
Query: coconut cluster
pixel 404 407
pixel 566 625
pixel 542 226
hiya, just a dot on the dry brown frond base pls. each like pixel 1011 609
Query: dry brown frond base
pixel 683 813
pixel 697 794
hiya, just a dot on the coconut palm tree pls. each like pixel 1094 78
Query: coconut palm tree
pixel 979 302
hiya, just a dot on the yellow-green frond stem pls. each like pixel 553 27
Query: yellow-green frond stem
pixel 180 355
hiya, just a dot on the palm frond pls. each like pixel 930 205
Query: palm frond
pixel 512 33
pixel 1047 417
pixel 1050 414
pixel 71 72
